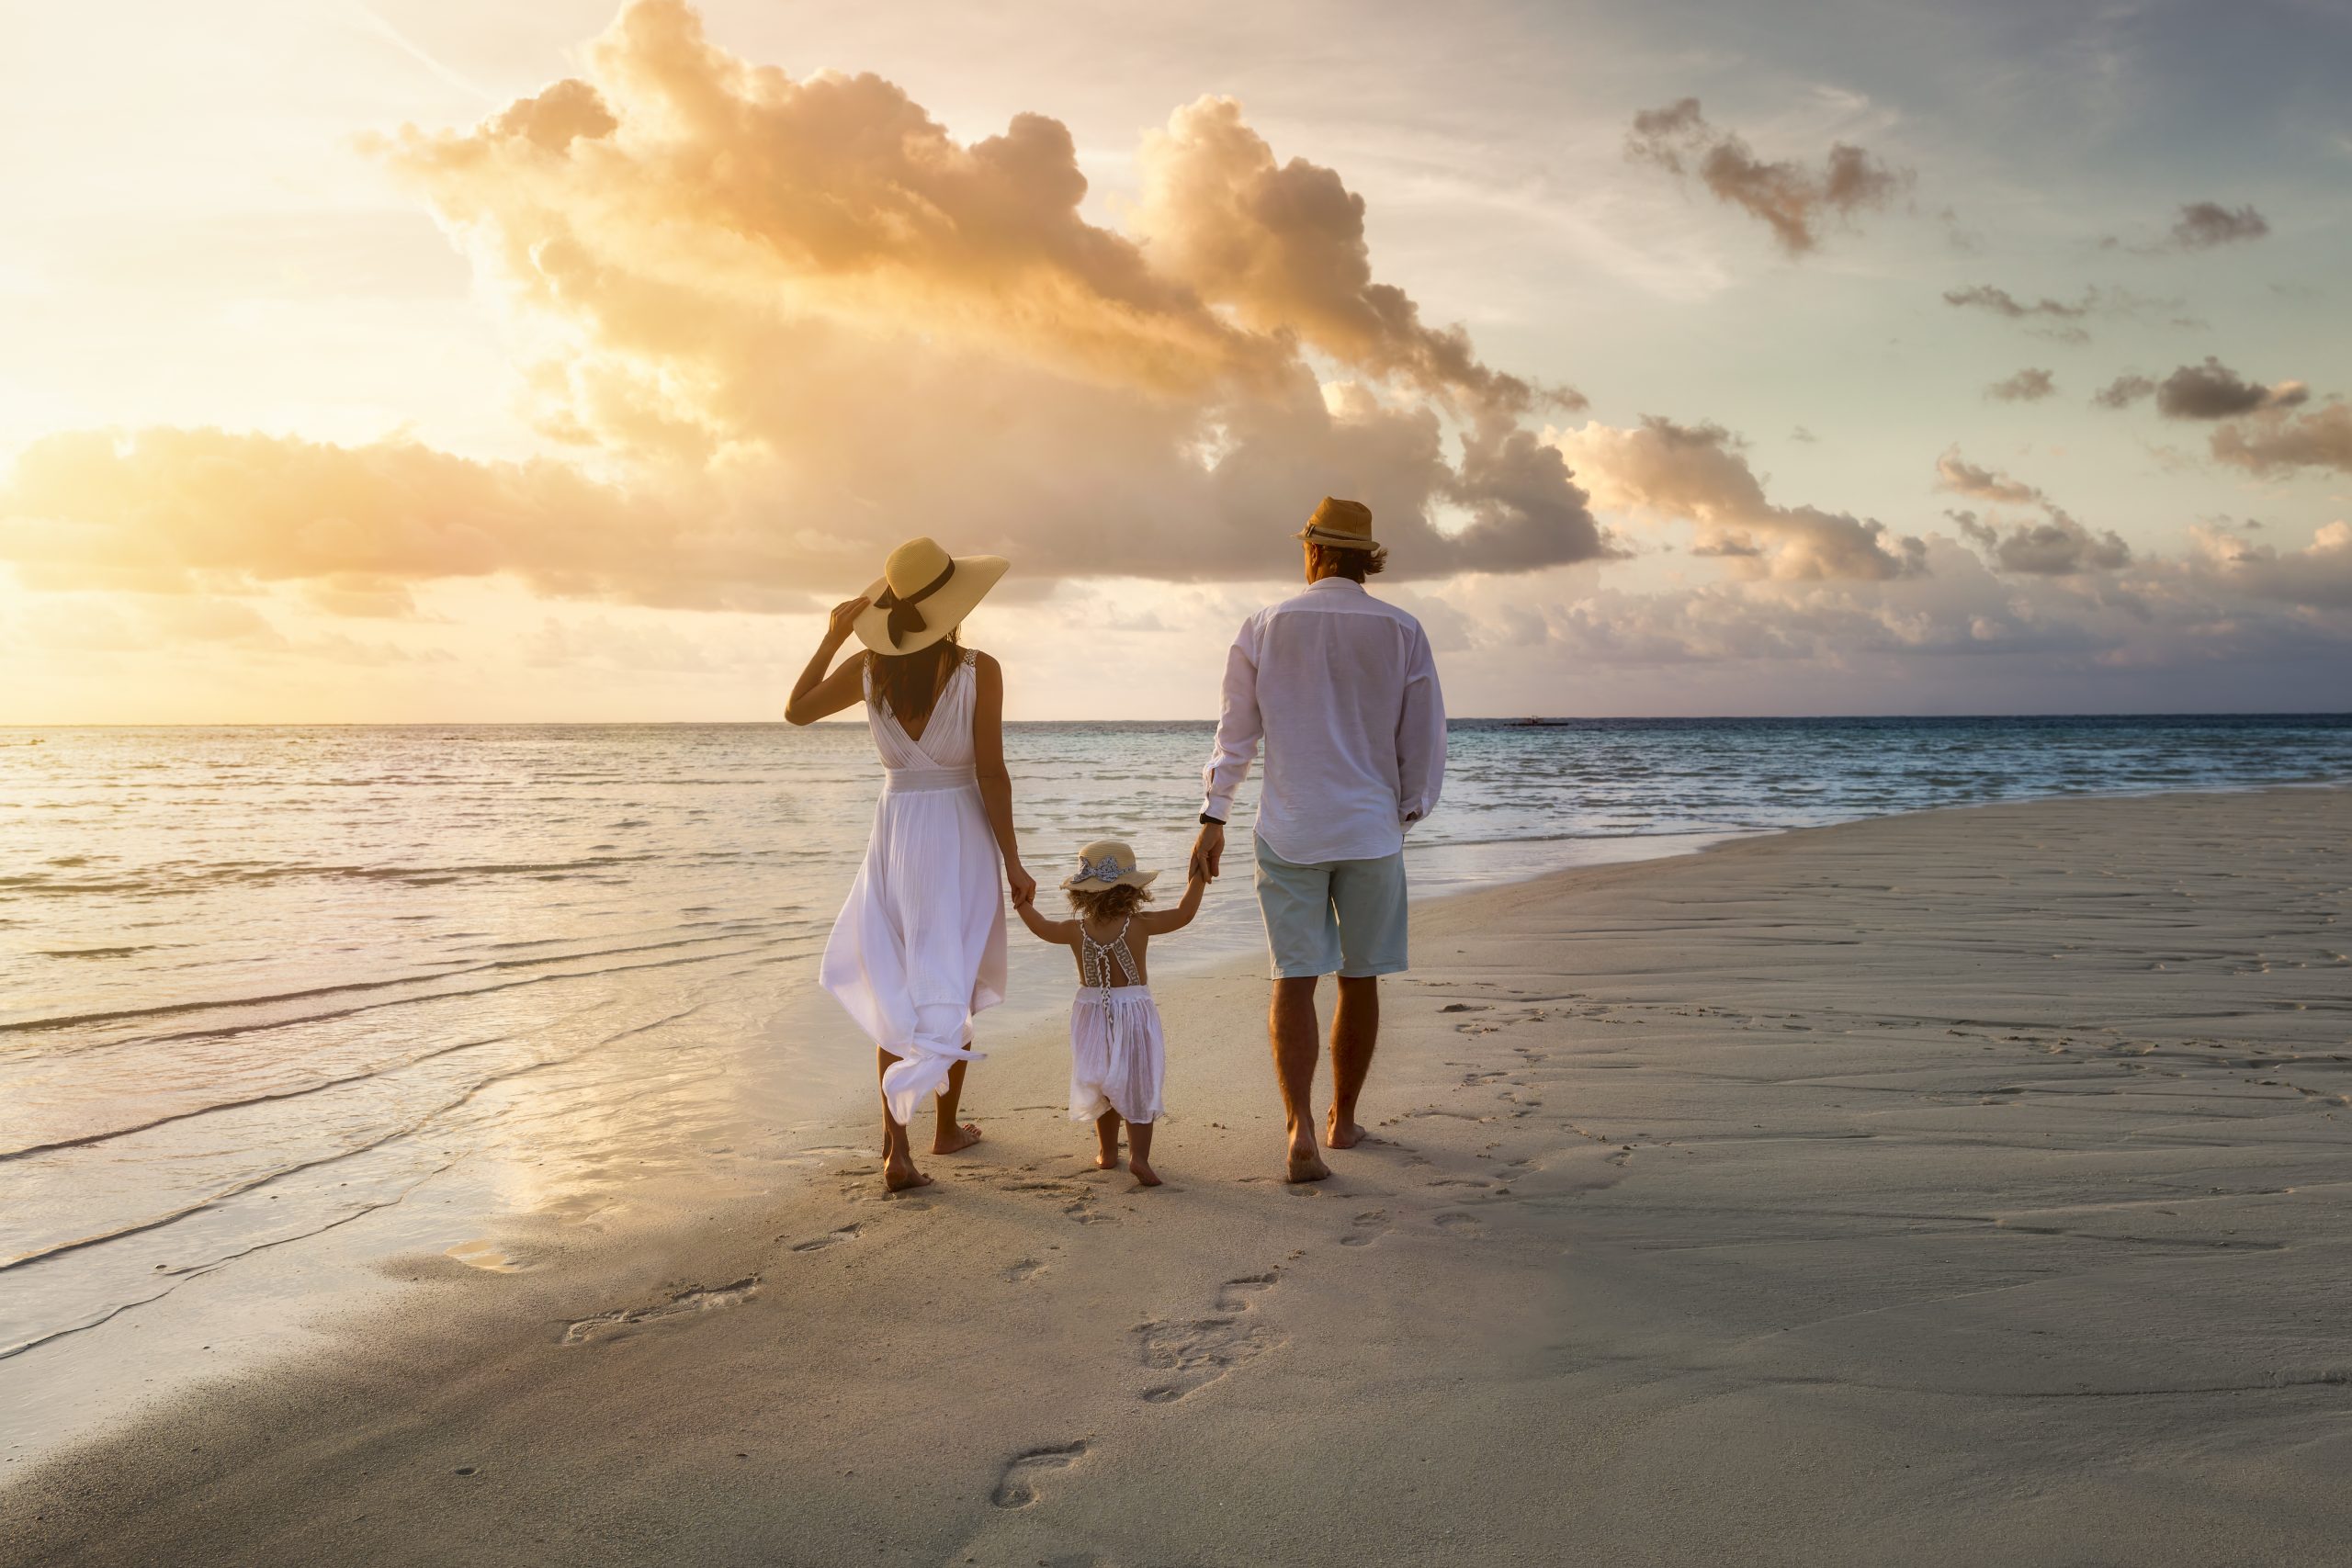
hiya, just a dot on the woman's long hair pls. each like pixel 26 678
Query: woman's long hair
pixel 909 684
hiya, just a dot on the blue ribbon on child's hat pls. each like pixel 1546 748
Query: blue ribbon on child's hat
pixel 1108 871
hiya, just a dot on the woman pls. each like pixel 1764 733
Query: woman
pixel 919 946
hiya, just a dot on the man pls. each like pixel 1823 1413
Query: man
pixel 1343 691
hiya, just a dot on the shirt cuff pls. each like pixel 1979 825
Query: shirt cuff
pixel 1217 806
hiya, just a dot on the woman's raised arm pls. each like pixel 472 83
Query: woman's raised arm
pixel 817 694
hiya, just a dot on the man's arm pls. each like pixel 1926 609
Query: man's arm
pixel 1420 734
pixel 1238 729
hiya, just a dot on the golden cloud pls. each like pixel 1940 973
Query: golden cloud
pixel 1697 473
pixel 790 321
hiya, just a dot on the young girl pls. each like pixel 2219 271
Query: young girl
pixel 1117 1056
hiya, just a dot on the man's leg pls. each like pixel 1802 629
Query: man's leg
pixel 1303 941
pixel 1290 1022
pixel 1368 901
pixel 1355 1031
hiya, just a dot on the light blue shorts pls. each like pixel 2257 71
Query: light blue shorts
pixel 1347 915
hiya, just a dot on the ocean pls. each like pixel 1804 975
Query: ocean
pixel 270 995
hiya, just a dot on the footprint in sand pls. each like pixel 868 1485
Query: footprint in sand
pixel 1193 1354
pixel 1017 1487
pixel 1370 1227
pixel 1467 1226
pixel 685 1302
pixel 1025 1269
pixel 831 1239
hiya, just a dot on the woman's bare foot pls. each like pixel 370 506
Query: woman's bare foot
pixel 1144 1176
pixel 898 1175
pixel 1340 1133
pixel 951 1139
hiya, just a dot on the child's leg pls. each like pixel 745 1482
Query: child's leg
pixel 1140 1153
pixel 1106 1135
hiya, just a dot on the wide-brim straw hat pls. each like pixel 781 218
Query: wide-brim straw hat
pixel 1106 863
pixel 1340 526
pixel 922 594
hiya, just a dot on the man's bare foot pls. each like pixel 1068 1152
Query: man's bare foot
pixel 901 1175
pixel 1106 1162
pixel 1144 1176
pixel 951 1139
pixel 1342 1134
pixel 1305 1165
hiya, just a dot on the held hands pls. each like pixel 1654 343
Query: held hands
pixel 1023 885
pixel 844 618
pixel 1208 853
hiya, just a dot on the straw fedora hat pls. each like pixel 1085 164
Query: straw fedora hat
pixel 922 594
pixel 1340 526
pixel 1105 864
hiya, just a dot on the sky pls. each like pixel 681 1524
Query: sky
pixel 415 360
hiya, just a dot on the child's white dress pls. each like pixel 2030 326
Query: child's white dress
pixel 1117 1054
pixel 920 946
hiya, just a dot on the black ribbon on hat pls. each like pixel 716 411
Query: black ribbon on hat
pixel 905 619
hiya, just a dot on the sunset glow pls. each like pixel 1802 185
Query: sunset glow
pixel 407 361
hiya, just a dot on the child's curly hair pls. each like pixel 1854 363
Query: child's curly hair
pixel 1113 903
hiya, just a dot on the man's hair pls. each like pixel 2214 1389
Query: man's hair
pixel 1113 903
pixel 1353 565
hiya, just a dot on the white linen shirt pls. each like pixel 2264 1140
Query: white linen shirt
pixel 1342 689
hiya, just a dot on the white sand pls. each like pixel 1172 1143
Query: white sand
pixel 1954 1188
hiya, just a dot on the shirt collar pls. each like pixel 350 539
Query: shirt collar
pixel 1335 585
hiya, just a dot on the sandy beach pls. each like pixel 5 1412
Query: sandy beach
pixel 1960 1187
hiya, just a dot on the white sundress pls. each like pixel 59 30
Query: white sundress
pixel 918 948
pixel 1118 1056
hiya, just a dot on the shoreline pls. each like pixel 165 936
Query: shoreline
pixel 1943 1217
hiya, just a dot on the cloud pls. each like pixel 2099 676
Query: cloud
pixel 1961 477
pixel 1282 245
pixel 2205 224
pixel 2026 387
pixel 2052 318
pixel 2318 575
pixel 2123 391
pixel 1790 199
pixel 2275 442
pixel 787 322
pixel 174 510
pixel 2056 547
pixel 2213 390
pixel 1698 473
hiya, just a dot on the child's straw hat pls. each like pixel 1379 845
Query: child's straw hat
pixel 1106 863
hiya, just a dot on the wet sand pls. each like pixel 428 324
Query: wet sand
pixel 1948 1189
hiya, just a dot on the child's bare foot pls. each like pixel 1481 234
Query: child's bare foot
pixel 951 1139
pixel 1340 1133
pixel 1144 1176
pixel 1106 1161
pixel 900 1174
